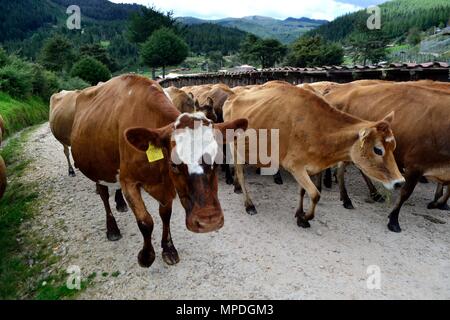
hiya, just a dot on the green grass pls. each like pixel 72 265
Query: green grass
pixel 25 256
pixel 19 114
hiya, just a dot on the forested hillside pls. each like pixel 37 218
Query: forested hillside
pixel 203 38
pixel 398 17
pixel 27 24
pixel 286 31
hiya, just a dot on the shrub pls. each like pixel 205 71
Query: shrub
pixel 44 83
pixel 15 81
pixel 90 70
pixel 72 83
pixel 4 59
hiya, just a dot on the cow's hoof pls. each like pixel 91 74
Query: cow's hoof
pixel 229 181
pixel 434 205
pixel 423 180
pixel 258 171
pixel 348 205
pixel 113 235
pixel 394 227
pixel 303 223
pixel 122 208
pixel 328 184
pixel 146 259
pixel 72 173
pixel 278 180
pixel 251 210
pixel 237 190
pixel 171 257
pixel 378 197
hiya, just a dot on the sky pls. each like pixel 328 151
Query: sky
pixel 280 9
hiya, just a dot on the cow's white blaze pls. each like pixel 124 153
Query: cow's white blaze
pixel 193 144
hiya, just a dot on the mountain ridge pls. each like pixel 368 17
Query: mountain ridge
pixel 287 30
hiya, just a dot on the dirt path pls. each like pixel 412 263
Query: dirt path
pixel 253 257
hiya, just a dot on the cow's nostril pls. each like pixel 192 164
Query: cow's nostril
pixel 398 185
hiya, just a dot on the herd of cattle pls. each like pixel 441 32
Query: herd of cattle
pixel 124 133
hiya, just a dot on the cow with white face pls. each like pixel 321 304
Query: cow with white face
pixel 142 141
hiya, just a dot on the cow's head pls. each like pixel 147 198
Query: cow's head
pixel 187 102
pixel 207 109
pixel 190 147
pixel 373 153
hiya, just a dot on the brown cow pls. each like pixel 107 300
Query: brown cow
pixel 181 100
pixel 314 136
pixel 123 132
pixel 420 127
pixel 62 114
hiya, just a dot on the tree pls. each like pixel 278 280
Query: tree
pixel 57 54
pixel 266 52
pixel 164 48
pixel 99 53
pixel 90 70
pixel 313 52
pixel 142 24
pixel 216 60
pixel 368 46
pixel 414 37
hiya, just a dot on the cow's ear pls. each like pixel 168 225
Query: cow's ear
pixel 141 138
pixel 210 101
pixel 238 126
pixel 190 94
pixel 389 118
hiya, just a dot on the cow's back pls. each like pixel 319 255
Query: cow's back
pixel 103 115
pixel 421 123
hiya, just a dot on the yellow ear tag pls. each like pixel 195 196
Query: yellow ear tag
pixel 154 154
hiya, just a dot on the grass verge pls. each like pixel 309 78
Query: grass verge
pixel 28 266
pixel 19 114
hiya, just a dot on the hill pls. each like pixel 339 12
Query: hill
pixel 25 25
pixel 398 17
pixel 286 31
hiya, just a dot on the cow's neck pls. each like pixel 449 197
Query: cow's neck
pixel 338 144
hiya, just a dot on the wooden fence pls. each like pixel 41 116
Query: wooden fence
pixel 438 71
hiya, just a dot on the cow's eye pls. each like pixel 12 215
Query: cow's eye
pixel 378 151
pixel 174 168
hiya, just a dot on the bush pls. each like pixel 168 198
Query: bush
pixel 45 83
pixel 4 59
pixel 68 83
pixel 15 81
pixel 91 70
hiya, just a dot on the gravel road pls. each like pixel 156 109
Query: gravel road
pixel 253 257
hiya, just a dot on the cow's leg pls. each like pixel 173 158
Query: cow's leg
pixel 112 230
pixel 440 199
pixel 374 194
pixel 249 206
pixel 121 205
pixel 170 253
pixel 306 183
pixel 347 202
pixel 67 153
pixel 328 180
pixel 277 178
pixel 226 166
pixel 412 178
pixel 144 221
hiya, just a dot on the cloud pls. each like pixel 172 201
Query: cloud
pixel 281 9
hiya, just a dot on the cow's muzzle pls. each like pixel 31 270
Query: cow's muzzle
pixel 205 220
